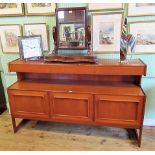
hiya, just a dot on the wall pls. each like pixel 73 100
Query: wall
pixel 148 82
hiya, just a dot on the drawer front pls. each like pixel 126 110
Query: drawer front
pixel 125 111
pixel 72 107
pixel 29 104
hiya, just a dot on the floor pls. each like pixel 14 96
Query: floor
pixel 37 135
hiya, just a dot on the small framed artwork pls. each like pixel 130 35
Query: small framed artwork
pixel 9 38
pixel 40 8
pixel 11 9
pixel 30 47
pixel 105 6
pixel 141 9
pixel 106 32
pixel 145 36
pixel 38 29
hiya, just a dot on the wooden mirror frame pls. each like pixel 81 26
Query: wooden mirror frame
pixel 87 32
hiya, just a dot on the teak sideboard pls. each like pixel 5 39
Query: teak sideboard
pixel 107 93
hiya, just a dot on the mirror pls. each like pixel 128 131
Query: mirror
pixel 71 28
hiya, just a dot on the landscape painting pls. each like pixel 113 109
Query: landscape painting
pixel 11 9
pixel 106 33
pixel 145 36
pixel 40 8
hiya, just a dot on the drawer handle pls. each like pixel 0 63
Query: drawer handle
pixel 70 91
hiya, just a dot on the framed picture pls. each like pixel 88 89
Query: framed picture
pixel 106 32
pixel 145 36
pixel 9 38
pixel 38 29
pixel 141 9
pixel 40 8
pixel 105 6
pixel 30 47
pixel 11 9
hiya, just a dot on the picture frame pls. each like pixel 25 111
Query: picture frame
pixel 40 9
pixel 11 9
pixel 104 38
pixel 38 29
pixel 30 47
pixel 141 9
pixel 144 31
pixel 9 38
pixel 105 6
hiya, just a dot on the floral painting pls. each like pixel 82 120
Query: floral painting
pixel 9 38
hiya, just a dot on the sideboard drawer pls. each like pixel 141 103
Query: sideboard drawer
pixel 125 111
pixel 29 104
pixel 72 107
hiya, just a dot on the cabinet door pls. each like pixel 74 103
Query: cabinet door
pixel 72 107
pixel 29 104
pixel 123 111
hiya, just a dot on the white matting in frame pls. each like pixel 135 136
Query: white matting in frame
pixel 140 9
pixel 145 36
pixel 105 6
pixel 106 32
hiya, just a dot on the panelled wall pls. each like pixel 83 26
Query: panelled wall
pixel 148 82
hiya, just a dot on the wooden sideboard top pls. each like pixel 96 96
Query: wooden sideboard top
pixel 102 67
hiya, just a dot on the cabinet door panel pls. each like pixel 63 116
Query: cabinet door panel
pixel 119 110
pixel 29 104
pixel 72 107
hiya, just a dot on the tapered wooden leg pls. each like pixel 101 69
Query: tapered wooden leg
pixel 140 136
pixel 15 126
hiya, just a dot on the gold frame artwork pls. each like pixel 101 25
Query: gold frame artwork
pixel 11 11
pixel 142 26
pixel 96 41
pixel 104 6
pixel 143 10
pixel 8 31
pixel 44 34
pixel 43 10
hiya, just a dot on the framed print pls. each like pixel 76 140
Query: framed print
pixel 105 6
pixel 38 29
pixel 9 38
pixel 145 36
pixel 141 9
pixel 106 32
pixel 40 8
pixel 30 47
pixel 11 9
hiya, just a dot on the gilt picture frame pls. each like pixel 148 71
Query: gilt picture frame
pixel 105 6
pixel 9 38
pixel 141 9
pixel 106 32
pixel 39 9
pixel 144 31
pixel 38 29
pixel 11 9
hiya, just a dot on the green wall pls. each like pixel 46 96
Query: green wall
pixel 148 82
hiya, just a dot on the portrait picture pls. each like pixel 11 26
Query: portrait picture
pixel 9 37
